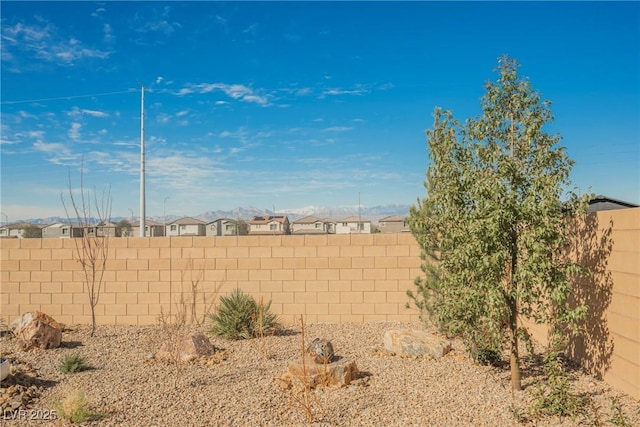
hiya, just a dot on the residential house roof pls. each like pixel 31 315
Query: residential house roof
pixel 147 223
pixel 187 221
pixel 308 220
pixel 265 219
pixel 353 218
pixel 21 225
pixel 393 218
pixel 604 203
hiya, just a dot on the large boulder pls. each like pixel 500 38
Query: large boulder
pixel 406 342
pixel 185 348
pixel 313 375
pixel 37 330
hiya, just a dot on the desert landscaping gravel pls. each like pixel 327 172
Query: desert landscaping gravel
pixel 238 387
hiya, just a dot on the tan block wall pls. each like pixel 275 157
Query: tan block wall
pixel 331 278
pixel 609 244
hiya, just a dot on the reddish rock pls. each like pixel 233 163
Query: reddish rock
pixel 313 375
pixel 37 330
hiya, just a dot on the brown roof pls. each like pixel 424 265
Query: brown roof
pixel 393 218
pixel 353 218
pixel 187 221
pixel 266 219
pixel 308 220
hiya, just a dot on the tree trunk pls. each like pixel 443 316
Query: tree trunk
pixel 514 359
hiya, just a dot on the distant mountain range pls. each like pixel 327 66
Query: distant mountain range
pixel 372 213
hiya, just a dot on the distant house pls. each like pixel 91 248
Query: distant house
pixel 61 230
pixel 604 203
pixel 310 225
pixel 223 227
pixel 269 224
pixel 151 229
pixel 15 230
pixel 393 224
pixel 101 229
pixel 187 227
pixel 353 225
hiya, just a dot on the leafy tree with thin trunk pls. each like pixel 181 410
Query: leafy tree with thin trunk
pixel 92 247
pixel 492 227
pixel 124 228
pixel 31 231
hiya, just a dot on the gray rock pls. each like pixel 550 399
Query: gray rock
pixel 320 351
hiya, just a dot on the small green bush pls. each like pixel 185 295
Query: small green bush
pixel 75 362
pixel 241 317
pixel 75 408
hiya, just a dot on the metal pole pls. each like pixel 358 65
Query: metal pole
pixel 164 215
pixel 142 187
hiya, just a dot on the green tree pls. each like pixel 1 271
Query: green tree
pixel 123 228
pixel 31 231
pixel 492 227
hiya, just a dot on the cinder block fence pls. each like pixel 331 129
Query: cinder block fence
pixel 329 278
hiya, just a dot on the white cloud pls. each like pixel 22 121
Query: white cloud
pixel 108 33
pixel 337 129
pixel 163 118
pixel 336 92
pixel 74 132
pixel 45 43
pixel 159 79
pixel 94 113
pixel 235 91
pixel 36 134
pixel 182 113
pixel 50 148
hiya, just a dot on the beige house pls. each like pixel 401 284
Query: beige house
pixel 151 229
pixel 310 225
pixel 15 230
pixel 187 227
pixel 223 227
pixel 393 224
pixel 269 224
pixel 61 230
pixel 353 225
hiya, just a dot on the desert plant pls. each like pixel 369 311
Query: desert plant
pixel 555 396
pixel 91 246
pixel 302 397
pixel 493 226
pixel 618 417
pixel 71 363
pixel 74 407
pixel 241 317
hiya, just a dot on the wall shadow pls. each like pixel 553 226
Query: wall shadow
pixel 593 349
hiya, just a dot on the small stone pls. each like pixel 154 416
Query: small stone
pixel 320 350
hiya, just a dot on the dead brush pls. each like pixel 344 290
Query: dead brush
pixel 301 390
pixel 259 325
pixel 172 330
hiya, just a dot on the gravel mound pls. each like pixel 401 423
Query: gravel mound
pixel 238 386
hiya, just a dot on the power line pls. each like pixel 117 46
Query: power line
pixel 67 97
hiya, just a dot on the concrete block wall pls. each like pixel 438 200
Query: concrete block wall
pixel 329 278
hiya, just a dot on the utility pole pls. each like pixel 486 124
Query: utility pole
pixel 142 162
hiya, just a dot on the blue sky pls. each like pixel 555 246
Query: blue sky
pixel 290 104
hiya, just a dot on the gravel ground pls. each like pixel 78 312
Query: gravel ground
pixel 239 389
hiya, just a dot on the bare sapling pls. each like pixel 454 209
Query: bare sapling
pixel 90 233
